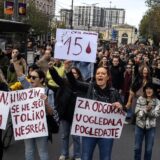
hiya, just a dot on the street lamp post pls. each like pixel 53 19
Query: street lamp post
pixel 109 19
pixel 15 15
pixel 72 15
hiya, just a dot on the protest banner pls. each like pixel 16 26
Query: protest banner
pixel 76 45
pixel 28 113
pixel 97 119
pixel 4 109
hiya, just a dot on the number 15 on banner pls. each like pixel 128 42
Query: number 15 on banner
pixel 76 45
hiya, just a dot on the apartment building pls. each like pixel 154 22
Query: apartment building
pixel 93 16
pixel 65 16
pixel 46 6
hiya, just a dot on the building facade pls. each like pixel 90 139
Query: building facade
pixel 113 16
pixel 126 34
pixel 92 16
pixel 46 6
pixel 65 17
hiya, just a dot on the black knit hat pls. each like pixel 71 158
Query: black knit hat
pixel 149 85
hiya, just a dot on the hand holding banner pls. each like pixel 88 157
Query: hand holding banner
pixel 28 115
pixel 97 119
pixel 4 109
pixel 76 45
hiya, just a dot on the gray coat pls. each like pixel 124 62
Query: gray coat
pixel 146 119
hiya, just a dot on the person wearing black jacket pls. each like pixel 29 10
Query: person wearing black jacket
pixel 3 87
pixel 100 91
pixel 117 73
pixel 65 103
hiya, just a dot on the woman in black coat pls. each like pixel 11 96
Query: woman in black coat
pixel 65 103
pixel 100 90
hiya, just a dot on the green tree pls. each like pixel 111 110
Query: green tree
pixel 1 9
pixel 100 36
pixel 56 24
pixel 150 24
pixel 39 21
pixel 152 2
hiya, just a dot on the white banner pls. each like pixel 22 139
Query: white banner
pixel 97 119
pixel 76 45
pixel 4 109
pixel 28 114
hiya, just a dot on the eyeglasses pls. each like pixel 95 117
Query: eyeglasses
pixel 33 77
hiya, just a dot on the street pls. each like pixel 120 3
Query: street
pixel 123 148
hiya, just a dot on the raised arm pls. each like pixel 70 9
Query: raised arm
pixel 78 85
pixel 21 76
pixel 55 76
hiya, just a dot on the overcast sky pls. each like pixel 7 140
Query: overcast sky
pixel 135 9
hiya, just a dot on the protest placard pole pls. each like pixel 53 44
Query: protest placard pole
pixel 15 15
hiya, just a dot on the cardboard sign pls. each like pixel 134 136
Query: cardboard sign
pixel 4 109
pixel 28 114
pixel 97 119
pixel 76 45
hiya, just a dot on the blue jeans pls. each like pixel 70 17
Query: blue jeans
pixel 105 147
pixel 149 135
pixel 129 113
pixel 66 128
pixel 41 144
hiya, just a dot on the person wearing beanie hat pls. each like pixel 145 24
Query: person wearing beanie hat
pixel 149 85
pixel 147 110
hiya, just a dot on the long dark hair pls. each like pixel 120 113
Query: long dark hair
pixel 41 75
pixel 79 73
pixel 138 81
pixel 149 85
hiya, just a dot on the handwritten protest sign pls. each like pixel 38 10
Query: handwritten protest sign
pixel 97 119
pixel 76 45
pixel 4 109
pixel 28 114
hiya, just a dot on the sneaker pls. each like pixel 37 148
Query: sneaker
pixel 126 122
pixel 62 157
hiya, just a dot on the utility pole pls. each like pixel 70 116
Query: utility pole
pixel 109 19
pixel 89 19
pixel 15 15
pixel 71 22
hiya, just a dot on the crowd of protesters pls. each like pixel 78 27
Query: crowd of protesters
pixel 128 77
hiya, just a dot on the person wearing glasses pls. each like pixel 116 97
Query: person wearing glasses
pixel 37 79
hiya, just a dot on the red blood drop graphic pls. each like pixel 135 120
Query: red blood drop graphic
pixel 88 49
